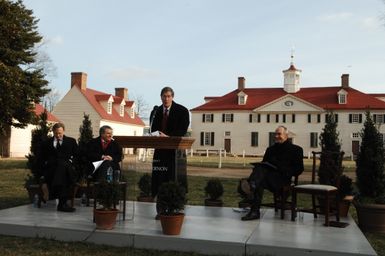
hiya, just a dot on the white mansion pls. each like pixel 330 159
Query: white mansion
pixel 243 121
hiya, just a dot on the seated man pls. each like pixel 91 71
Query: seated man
pixel 280 162
pixel 58 156
pixel 104 148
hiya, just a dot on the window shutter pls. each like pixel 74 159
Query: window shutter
pixel 202 138
pixel 350 118
pixel 293 118
pixel 223 118
pixel 250 118
pixel 319 118
pixel 232 117
pixel 336 118
pixel 259 118
pixel 284 118
pixel 360 118
pixel 309 118
pixel 203 118
pixel 268 118
pixel 212 139
pixel 212 118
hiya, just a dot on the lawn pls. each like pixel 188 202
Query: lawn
pixel 13 194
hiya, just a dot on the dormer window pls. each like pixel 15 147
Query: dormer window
pixel 121 110
pixel 109 107
pixel 242 98
pixel 342 96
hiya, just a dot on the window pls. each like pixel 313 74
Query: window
pixel 313 139
pixel 335 117
pixel 271 138
pixel 284 118
pixel 207 138
pixel 254 139
pixel 382 136
pixel 121 110
pixel 227 133
pixel 355 135
pixel 277 118
pixel 293 118
pixel 355 118
pixel 254 118
pixel 227 118
pixel 242 100
pixel 207 118
pixel 379 119
pixel 268 118
pixel 309 118
pixel 109 107
pixel 342 98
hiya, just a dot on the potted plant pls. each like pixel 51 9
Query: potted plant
pixel 214 190
pixel 370 203
pixel 144 185
pixel 345 190
pixel 171 201
pixel 106 196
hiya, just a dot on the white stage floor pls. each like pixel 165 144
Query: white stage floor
pixel 208 230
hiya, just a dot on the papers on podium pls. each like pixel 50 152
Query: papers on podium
pixel 96 165
pixel 155 134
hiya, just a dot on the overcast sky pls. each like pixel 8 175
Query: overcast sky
pixel 200 47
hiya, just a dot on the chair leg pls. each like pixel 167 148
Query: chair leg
pixel 293 205
pixel 314 206
pixel 327 209
pixel 337 208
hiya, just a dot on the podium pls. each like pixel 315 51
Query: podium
pixel 156 142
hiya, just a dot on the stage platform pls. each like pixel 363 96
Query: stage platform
pixel 207 230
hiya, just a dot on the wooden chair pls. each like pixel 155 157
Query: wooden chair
pixel 329 193
pixel 281 198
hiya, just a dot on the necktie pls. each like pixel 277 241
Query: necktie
pixel 58 144
pixel 164 120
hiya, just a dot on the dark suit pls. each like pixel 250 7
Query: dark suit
pixel 95 152
pixel 280 162
pixel 163 167
pixel 58 166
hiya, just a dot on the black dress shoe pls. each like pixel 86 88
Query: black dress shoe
pixel 252 215
pixel 65 208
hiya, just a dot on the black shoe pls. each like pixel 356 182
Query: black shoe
pixel 65 208
pixel 252 215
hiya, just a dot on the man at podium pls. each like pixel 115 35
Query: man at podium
pixel 169 119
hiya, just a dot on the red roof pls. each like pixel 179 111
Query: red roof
pixel 324 97
pixel 40 109
pixel 94 97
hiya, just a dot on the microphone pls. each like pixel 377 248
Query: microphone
pixel 152 116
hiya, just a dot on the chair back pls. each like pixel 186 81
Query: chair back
pixel 317 158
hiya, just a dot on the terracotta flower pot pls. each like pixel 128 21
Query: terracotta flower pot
pixel 211 202
pixel 171 224
pixel 344 206
pixel 105 219
pixel 371 217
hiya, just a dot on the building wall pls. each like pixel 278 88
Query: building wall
pixel 70 111
pixel 21 141
pixel 240 130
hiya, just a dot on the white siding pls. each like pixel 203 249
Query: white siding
pixel 21 141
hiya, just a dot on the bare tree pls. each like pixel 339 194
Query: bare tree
pixel 51 99
pixel 142 107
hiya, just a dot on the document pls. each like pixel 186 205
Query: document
pixel 96 165
pixel 156 133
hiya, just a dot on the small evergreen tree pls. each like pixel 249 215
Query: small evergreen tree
pixel 39 136
pixel 86 135
pixel 330 168
pixel 370 161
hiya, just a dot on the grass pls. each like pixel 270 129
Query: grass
pixel 13 194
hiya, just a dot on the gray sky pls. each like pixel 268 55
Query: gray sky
pixel 200 47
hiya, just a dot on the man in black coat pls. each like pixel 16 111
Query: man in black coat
pixel 280 162
pixel 58 158
pixel 170 119
pixel 105 148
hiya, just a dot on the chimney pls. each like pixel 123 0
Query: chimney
pixel 122 93
pixel 241 83
pixel 345 81
pixel 79 79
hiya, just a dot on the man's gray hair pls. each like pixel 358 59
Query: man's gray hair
pixel 103 129
pixel 284 129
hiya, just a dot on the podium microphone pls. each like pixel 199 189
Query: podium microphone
pixel 152 116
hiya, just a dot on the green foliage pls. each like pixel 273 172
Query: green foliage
pixel 21 84
pixel 370 161
pixel 144 185
pixel 107 194
pixel 214 189
pixel 346 186
pixel 171 198
pixel 86 135
pixel 330 168
pixel 39 136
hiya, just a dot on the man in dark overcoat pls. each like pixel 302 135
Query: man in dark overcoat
pixel 105 148
pixel 171 119
pixel 58 159
pixel 281 161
